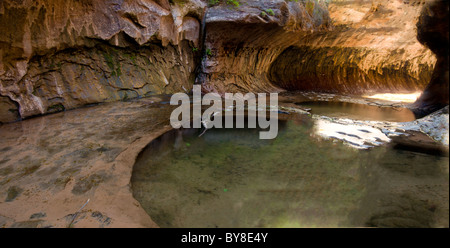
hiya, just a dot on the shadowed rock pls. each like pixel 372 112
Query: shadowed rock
pixel 241 43
pixel 433 32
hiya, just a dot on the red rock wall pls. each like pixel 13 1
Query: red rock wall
pixel 372 48
pixel 57 55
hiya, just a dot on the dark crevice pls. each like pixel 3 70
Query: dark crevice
pixel 14 111
pixel 133 18
pixel 199 76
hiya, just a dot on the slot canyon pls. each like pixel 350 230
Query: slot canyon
pixel 85 137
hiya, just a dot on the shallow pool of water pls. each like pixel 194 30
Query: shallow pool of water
pixel 358 111
pixel 230 178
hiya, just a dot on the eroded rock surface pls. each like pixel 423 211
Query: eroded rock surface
pixel 433 32
pixel 8 110
pixel 241 43
pixel 57 55
pixel 73 168
pixel 372 48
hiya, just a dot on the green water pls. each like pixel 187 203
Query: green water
pixel 230 178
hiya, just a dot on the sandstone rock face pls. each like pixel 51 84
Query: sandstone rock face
pixel 373 47
pixel 432 31
pixel 241 43
pixel 57 55
pixel 8 110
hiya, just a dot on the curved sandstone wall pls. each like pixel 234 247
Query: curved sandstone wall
pixel 243 42
pixel 373 48
pixel 57 55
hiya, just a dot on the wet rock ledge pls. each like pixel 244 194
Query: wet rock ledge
pixel 73 168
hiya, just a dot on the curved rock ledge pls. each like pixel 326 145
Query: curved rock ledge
pixel 350 70
pixel 373 48
pixel 52 165
pixel 242 43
